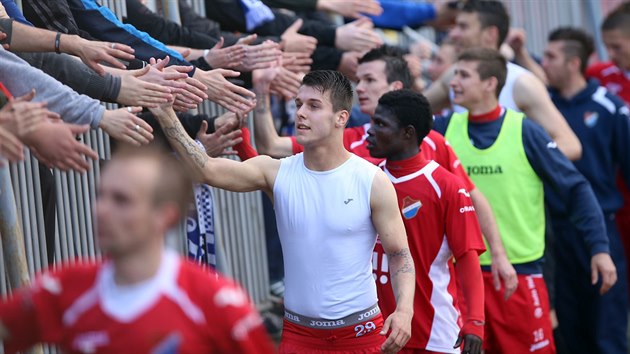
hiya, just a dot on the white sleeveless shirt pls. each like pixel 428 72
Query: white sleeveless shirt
pixel 506 97
pixel 325 227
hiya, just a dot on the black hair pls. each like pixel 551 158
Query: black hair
pixel 409 108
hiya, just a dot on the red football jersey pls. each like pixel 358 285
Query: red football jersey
pixel 433 147
pixel 182 309
pixel 614 79
pixel 441 223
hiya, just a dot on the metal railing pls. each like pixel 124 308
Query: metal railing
pixel 239 229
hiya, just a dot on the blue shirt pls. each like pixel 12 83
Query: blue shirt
pixel 600 120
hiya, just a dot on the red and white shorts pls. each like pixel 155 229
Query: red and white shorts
pixel 522 323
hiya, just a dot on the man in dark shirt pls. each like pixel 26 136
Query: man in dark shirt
pixel 600 120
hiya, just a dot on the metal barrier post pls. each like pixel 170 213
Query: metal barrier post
pixel 11 233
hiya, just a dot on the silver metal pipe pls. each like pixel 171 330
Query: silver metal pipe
pixel 11 233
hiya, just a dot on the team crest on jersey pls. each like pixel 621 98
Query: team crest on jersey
pixel 590 118
pixel 169 345
pixel 410 207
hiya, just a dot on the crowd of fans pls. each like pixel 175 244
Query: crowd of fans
pixel 519 245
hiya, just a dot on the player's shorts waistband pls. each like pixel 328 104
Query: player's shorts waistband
pixel 320 323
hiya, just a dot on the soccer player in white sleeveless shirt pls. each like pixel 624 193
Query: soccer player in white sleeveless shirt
pixel 329 206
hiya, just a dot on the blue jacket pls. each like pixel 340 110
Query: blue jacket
pixel 600 120
pixel 14 11
pixel 101 23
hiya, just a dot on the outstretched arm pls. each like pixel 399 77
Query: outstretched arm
pixel 268 142
pixel 437 93
pixel 391 230
pixel 527 96
pixel 31 39
pixel 255 174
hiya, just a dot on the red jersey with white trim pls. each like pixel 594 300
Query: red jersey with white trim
pixel 612 77
pixel 182 309
pixel 433 147
pixel 441 223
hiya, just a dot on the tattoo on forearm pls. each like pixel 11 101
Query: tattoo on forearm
pixel 177 135
pixel 262 102
pixel 403 259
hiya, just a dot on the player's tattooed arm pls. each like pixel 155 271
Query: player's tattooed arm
pixel 262 102
pixel 253 174
pixel 268 142
pixel 401 262
pixel 389 225
pixel 176 134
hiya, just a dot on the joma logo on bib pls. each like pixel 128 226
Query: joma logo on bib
pixel 484 170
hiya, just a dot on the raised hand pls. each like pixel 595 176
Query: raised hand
pixel 20 116
pixel 93 52
pixel 357 36
pixel 229 57
pixel 122 124
pixel 297 62
pixel 134 91
pixel 219 142
pixel 232 97
pixel 260 56
pixel 349 64
pixel 55 145
pixel 292 41
pixel 190 92
pixel 277 80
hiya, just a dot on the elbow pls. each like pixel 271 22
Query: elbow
pixel 572 151
pixel 570 146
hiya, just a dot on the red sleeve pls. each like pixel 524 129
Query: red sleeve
pixel 241 326
pixel 297 148
pixel 456 168
pixel 245 149
pixel 33 314
pixel 468 272
pixel 462 227
pixel 594 70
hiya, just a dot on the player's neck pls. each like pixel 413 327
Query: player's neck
pixel 325 157
pixel 411 164
pixel 138 266
pixel 574 85
pixel 483 107
pixel 486 117
pixel 408 153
